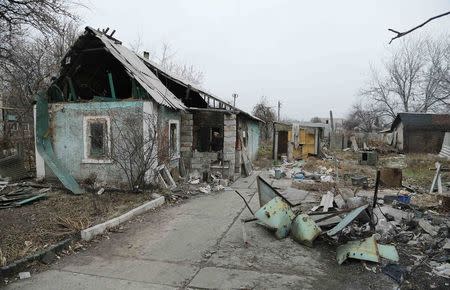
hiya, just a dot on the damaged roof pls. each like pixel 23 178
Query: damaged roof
pixel 137 69
pixel 419 121
pixel 202 92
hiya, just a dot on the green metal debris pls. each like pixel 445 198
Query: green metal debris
pixel 367 250
pixel 362 250
pixel 304 230
pixel 276 215
pixel 388 252
pixel 45 149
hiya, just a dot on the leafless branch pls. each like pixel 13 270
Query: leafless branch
pixel 401 34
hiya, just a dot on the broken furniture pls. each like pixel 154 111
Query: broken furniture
pixel 164 177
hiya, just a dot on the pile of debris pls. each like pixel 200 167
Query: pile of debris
pixel 20 196
pixel 363 228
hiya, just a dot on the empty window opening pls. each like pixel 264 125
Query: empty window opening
pixel 97 135
pixel 96 139
pixel 174 136
pixel 364 157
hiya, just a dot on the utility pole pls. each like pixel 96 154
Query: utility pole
pixel 331 121
pixel 279 107
pixel 234 95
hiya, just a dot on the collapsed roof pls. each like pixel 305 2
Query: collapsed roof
pixel 99 66
pixel 106 55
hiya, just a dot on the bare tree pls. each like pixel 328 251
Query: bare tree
pixel 363 119
pixel 138 149
pixel 17 16
pixel 266 113
pixel 414 79
pixel 166 58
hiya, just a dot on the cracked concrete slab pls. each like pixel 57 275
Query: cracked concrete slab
pixel 222 278
pixel 120 267
pixel 57 280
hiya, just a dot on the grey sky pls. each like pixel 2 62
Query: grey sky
pixel 312 56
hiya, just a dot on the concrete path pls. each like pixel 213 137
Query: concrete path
pixel 199 245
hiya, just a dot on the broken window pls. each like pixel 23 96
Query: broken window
pixel 174 136
pixel 208 131
pixel 96 139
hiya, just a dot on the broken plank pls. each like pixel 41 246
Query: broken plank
pixel 25 201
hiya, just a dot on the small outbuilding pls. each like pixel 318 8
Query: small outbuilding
pixel 297 140
pixel 418 132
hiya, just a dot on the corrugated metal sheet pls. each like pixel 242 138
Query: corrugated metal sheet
pixel 137 69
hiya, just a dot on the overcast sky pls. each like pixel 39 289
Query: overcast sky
pixel 313 56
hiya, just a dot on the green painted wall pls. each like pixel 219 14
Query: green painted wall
pixel 253 138
pixel 66 123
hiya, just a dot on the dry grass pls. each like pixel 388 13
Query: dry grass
pixel 32 227
pixel 418 171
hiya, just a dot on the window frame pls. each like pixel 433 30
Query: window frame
pixel 178 141
pixel 87 120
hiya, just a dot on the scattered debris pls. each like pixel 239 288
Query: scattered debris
pixel 366 249
pixel 395 271
pixel 276 215
pixel 21 196
pixel 427 227
pixel 347 220
pixel 24 275
pixel 305 230
pixel 165 178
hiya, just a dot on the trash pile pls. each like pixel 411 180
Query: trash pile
pixel 363 228
pixel 295 171
pixel 20 196
pixel 209 182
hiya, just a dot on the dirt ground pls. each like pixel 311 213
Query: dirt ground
pixel 35 226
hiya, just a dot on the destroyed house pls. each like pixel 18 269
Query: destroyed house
pixel 418 132
pixel 215 135
pixel 104 90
